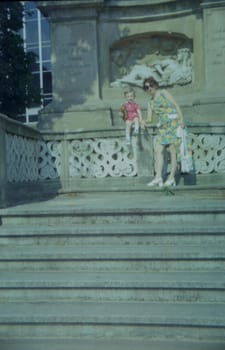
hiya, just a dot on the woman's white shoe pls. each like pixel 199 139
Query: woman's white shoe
pixel 170 183
pixel 156 182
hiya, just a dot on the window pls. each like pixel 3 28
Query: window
pixel 36 37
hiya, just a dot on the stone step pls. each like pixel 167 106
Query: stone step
pixel 97 253
pixel 157 217
pixel 112 344
pixel 122 208
pixel 114 313
pixel 147 197
pixel 175 295
pixel 112 332
pixel 164 286
pixel 115 240
pixel 114 280
pixel 122 234
pixel 117 229
pixel 105 269
pixel 114 265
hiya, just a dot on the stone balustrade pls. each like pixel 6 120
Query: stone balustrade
pixel 33 160
pixel 18 155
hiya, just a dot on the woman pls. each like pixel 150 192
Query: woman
pixel 169 118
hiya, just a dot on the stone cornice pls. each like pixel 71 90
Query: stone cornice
pixel 212 3
pixel 46 7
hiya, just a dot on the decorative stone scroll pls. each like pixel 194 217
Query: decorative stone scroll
pixel 101 158
pixel 168 58
pixel 50 158
pixel 208 153
pixel 32 160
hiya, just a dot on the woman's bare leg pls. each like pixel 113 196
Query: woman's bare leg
pixel 159 161
pixel 173 161
pixel 157 181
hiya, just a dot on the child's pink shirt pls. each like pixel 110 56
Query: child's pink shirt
pixel 132 110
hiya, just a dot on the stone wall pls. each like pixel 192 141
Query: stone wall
pixel 99 46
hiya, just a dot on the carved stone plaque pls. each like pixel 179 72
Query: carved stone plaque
pixel 75 61
pixel 215 46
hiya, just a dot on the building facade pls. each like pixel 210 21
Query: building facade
pixel 36 36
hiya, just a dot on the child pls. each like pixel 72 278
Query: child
pixel 131 114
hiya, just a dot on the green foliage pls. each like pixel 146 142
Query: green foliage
pixel 17 90
pixel 168 192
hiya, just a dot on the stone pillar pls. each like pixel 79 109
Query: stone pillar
pixel 214 38
pixel 3 170
pixel 77 100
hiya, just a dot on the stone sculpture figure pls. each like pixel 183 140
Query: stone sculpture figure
pixel 167 72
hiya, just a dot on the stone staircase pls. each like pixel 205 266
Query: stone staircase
pixel 116 270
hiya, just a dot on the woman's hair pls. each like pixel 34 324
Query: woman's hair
pixel 150 82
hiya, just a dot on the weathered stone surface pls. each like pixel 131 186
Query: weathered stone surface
pixel 125 281
pixel 98 44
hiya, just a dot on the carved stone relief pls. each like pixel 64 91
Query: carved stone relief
pixel 166 57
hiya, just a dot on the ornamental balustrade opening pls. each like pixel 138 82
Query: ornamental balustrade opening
pixel 34 162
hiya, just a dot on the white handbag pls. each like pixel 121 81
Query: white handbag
pixel 185 157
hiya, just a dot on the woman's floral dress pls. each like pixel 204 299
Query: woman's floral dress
pixel 167 121
pixel 168 124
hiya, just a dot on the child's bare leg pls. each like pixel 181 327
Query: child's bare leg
pixel 128 128
pixel 136 125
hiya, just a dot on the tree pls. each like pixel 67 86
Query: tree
pixel 17 90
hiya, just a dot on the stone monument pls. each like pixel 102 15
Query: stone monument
pixel 98 46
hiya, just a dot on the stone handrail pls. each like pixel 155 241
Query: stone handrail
pixel 72 160
pixel 81 156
